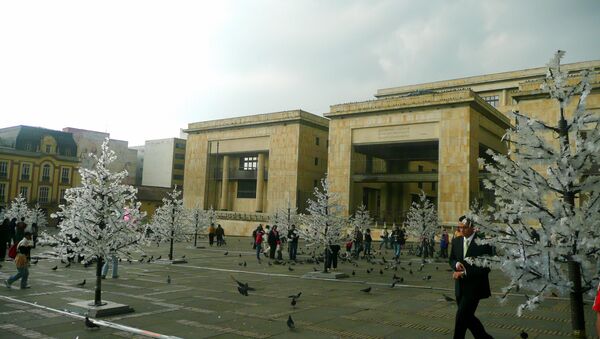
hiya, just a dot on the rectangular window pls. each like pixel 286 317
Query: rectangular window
pixel 317 141
pixel 178 166
pixel 316 161
pixel 249 163
pixel 177 177
pixel 179 156
pixel 28 147
pixel 246 189
pixel 65 175
pixel 44 194
pixel 2 192
pixel 25 171
pixel 48 149
pixel 24 190
pixel 493 100
pixel 420 184
pixel 420 168
pixel 46 173
pixel 62 195
pixel 3 169
pixel 433 186
pixel 179 145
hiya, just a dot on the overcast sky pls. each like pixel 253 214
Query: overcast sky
pixel 142 70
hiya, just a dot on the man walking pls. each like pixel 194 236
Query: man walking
pixel 293 239
pixel 471 283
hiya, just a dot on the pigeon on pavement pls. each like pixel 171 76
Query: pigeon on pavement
pixel 90 324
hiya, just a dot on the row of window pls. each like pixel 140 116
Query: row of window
pixel 46 175
pixel 493 100
pixel 43 193
pixel 47 149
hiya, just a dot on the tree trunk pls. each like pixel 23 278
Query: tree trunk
pixel 98 291
pixel 171 247
pixel 325 262
pixel 577 315
pixel 195 236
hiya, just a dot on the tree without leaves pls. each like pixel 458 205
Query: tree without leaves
pixel 18 209
pixel 549 167
pixel 323 225
pixel 171 221
pixel 422 219
pixel 200 219
pixel 100 218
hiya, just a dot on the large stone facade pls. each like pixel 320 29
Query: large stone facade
pixel 250 167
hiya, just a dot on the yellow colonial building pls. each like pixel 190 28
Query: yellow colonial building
pixel 380 152
pixel 38 163
pixel 249 167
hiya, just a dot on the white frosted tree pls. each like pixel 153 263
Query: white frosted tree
pixel 18 209
pixel 361 219
pixel 171 221
pixel 37 216
pixel 100 217
pixel 200 220
pixel 549 180
pixel 422 219
pixel 284 218
pixel 324 224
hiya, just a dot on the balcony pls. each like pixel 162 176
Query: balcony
pixel 396 177
pixel 239 174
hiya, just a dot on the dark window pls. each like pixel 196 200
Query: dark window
pixel 179 156
pixel 178 166
pixel 249 163
pixel 492 100
pixel 317 141
pixel 65 175
pixel 433 186
pixel 179 145
pixel 2 192
pixel 3 169
pixel 48 149
pixel 46 172
pixel 177 177
pixel 420 168
pixel 246 189
pixel 420 184
pixel 25 170
pixel 316 161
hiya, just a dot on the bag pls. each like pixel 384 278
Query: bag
pixel 12 251
pixel 21 260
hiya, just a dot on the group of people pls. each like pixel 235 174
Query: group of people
pixel 18 238
pixel 217 232
pixel 267 240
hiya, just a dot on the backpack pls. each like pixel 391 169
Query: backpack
pixel 12 251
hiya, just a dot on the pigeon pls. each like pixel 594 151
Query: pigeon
pixel 395 277
pixel 384 261
pixel 290 322
pixel 366 290
pixel 243 290
pixel 421 267
pixel 160 256
pixel 69 264
pixel 410 271
pixel 183 256
pixel 523 334
pixel 437 268
pixel 353 273
pixel 54 268
pixel 240 255
pixel 554 295
pixel 141 260
pixel 90 324
pixel 410 263
pixel 394 283
pixel 270 264
pixel 151 257
pixel 315 269
pixel 34 261
pixel 295 296
pixel 427 277
pixel 226 253
pixel 168 279
pixel 293 303
pixel 380 271
pixel 240 264
pixel 128 260
pixel 290 268
pixel 402 268
pixel 447 298
pixel 81 284
pixel 241 284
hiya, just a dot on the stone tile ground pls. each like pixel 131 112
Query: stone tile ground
pixel 202 301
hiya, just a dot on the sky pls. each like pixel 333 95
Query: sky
pixel 142 70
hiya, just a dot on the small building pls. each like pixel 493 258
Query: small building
pixel 38 163
pixel 163 162
pixel 249 167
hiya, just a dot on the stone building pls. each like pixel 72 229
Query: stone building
pixel 91 141
pixel 249 167
pixel 429 136
pixel 40 164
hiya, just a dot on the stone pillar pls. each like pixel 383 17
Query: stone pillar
pixel 260 182
pixel 458 152
pixel 224 184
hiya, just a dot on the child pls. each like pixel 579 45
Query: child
pixel 22 263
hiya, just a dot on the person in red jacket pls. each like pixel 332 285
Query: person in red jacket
pixel 596 308
pixel 259 240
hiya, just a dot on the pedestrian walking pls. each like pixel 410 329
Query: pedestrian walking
pixel 258 241
pixel 293 238
pixel 220 234
pixel 397 239
pixel 471 283
pixel 4 238
pixel 385 235
pixel 368 241
pixel 22 262
pixel 211 234
pixel 115 267
pixel 273 241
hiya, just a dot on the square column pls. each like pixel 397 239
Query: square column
pixel 224 184
pixel 260 182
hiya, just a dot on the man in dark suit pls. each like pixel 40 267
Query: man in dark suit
pixel 471 282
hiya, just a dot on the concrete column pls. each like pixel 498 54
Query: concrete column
pixel 224 184
pixel 260 182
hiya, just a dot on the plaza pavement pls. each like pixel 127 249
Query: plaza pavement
pixel 202 300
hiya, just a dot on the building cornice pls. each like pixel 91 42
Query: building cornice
pixel 294 116
pixel 15 152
